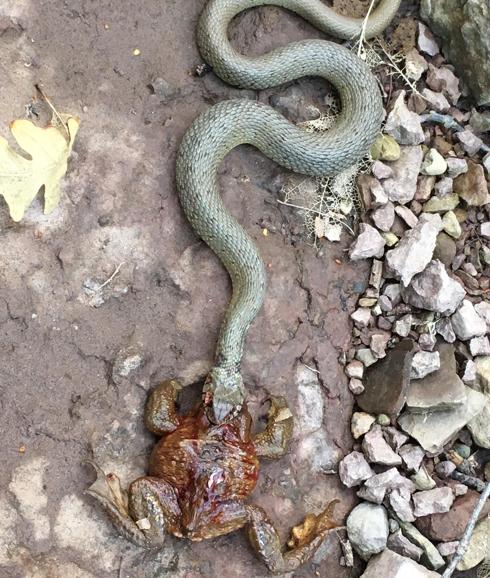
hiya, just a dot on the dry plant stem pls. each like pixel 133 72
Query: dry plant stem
pixel 465 540
pixel 116 271
pixel 363 29
pixel 53 109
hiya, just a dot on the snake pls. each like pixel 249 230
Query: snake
pixel 228 124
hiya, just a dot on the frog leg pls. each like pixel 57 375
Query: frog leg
pixel 305 539
pixel 273 442
pixel 161 412
pixel 144 513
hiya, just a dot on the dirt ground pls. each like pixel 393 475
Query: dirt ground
pixel 70 389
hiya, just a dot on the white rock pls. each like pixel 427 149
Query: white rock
pixel 415 64
pixel 376 487
pixel 469 375
pixel 381 170
pixel 423 363
pixel 480 346
pixel 389 564
pixel 403 325
pixel 403 125
pixel 369 243
pixel 401 188
pixel 444 186
pixel 414 251
pixel 377 450
pixel 483 310
pixel 433 164
pixel 426 42
pixel 412 456
pixel 354 469
pixel 356 386
pixel 456 167
pixel 437 101
pixel 407 215
pixel 447 548
pixel 354 369
pixel 485 230
pixel 436 501
pixel 367 529
pixel 384 216
pixel 361 423
pixel 361 316
pixel 467 323
pixel 400 502
pixel 486 163
pixel 471 143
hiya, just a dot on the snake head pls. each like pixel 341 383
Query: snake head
pixel 223 395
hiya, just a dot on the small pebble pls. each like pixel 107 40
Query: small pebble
pixel 383 419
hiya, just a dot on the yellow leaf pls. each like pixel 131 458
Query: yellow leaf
pixel 20 178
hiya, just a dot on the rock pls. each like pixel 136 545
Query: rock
pixel 426 41
pixel 479 426
pixel 434 290
pixel 415 64
pixel 406 214
pixel 478 546
pixel 480 346
pixel 445 468
pixel 482 365
pixel 443 79
pixel 460 489
pixel 354 469
pixel 402 186
pixel 469 375
pixel 438 391
pixel 384 216
pixel 444 328
pixel 412 456
pixel 414 251
pixel 376 487
pixel 471 143
pixel 387 381
pixel 403 325
pixel 163 90
pixel 394 437
pixel 432 556
pixel 442 204
pixel 483 310
pixel 445 250
pixel 486 163
pixel 433 501
pixel 403 125
pixel 369 243
pixel 390 239
pixel 366 356
pixel 456 167
pixel 485 230
pixel 460 26
pixel 383 419
pixel 399 501
pixel 385 148
pixel 447 548
pixel 367 529
pixel 427 341
pixel 376 449
pixel 450 225
pixel 480 121
pixel 356 386
pixel 425 186
pixel 451 525
pixel 433 430
pixel 436 100
pixel 399 544
pixel 467 323
pixel 378 344
pixel 361 318
pixel 389 564
pixel 472 185
pixel 434 163
pixel 423 363
pixel 443 187
pixel 128 359
pixel 381 170
pixel 422 480
pixel 354 369
pixel 361 423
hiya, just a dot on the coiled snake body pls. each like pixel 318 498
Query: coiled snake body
pixel 231 123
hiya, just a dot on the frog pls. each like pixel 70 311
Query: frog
pixel 201 472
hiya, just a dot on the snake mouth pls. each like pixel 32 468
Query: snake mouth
pixel 219 411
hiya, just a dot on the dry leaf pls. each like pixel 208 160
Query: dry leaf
pixel 20 178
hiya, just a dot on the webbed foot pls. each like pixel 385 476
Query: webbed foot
pixel 161 412
pixel 273 442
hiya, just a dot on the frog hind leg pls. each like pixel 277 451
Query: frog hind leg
pixel 305 539
pixel 273 441
pixel 161 408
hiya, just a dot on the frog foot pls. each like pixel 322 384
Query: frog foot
pixel 312 526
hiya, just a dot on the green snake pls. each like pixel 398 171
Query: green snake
pixel 231 123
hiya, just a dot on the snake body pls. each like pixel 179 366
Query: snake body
pixel 231 123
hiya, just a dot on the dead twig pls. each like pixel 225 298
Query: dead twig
pixel 360 48
pixel 116 271
pixel 53 109
pixel 465 540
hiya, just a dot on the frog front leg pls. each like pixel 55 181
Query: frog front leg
pixel 273 442
pixel 161 410
pixel 305 539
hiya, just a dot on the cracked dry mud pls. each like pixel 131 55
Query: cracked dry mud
pixel 60 396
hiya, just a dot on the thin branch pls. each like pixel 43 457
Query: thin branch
pixel 465 540
pixel 53 109
pixel 363 29
pixel 116 271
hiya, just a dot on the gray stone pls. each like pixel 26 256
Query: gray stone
pixel 401 545
pixel 469 375
pixel 361 423
pixel 384 216
pixel 456 167
pixel 399 500
pixel 127 360
pixel 444 186
pixel 387 381
pixel 393 292
pixel 434 501
pixel 479 426
pixel 462 26
pixel 427 341
pixel 440 390
pixel 434 163
pixel 415 64
pixel 434 290
pixel 369 243
pixel 366 356
pixel 445 250
pixel 444 328
pixel 381 170
pixel 403 325
pixel 402 186
pixel 426 41
pixel 423 363
pixel 376 487
pixel 407 215
pixel 415 249
pixel 437 101
pixel 376 449
pixel 433 430
pixel 412 456
pixel 483 310
pixel 389 564
pixel 394 437
pixel 367 529
pixel 422 480
pixel 354 469
pixel 443 79
pixel 480 346
pixel 447 548
pixel 445 468
pixel 403 125
pixel 482 365
pixel 467 323
pixel 471 143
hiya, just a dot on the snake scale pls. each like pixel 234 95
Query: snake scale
pixel 231 123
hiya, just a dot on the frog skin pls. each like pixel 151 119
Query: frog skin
pixel 200 474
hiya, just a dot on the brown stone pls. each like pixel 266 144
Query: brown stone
pixel 472 186
pixel 386 382
pixel 451 525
